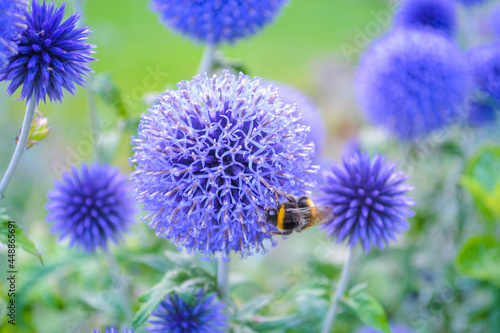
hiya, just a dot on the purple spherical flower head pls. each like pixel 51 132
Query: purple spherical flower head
pixel 434 15
pixel 216 21
pixel 211 155
pixel 91 206
pixel 495 21
pixel 481 114
pixel 308 111
pixel 413 82
pixel 470 3
pixel 52 55
pixel 13 15
pixel 485 66
pixel 394 329
pixel 369 201
pixel 189 314
pixel 113 330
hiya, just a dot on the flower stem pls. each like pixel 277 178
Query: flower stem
pixel 207 60
pixel 339 293
pixel 223 277
pixel 93 115
pixel 120 283
pixel 21 145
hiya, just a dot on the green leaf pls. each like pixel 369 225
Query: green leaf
pixel 482 179
pixel 269 324
pixel 153 297
pixel 177 280
pixel 367 308
pixel 479 258
pixel 20 239
pixel 104 87
pixel 254 305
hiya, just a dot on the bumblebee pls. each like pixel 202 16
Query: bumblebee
pixel 297 214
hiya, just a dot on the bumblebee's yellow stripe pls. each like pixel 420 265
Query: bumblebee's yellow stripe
pixel 281 217
pixel 311 204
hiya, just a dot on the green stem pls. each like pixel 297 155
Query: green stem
pixel 223 277
pixel 93 115
pixel 207 60
pixel 21 145
pixel 339 293
pixel 114 272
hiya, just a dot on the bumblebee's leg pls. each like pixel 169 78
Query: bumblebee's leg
pixel 291 199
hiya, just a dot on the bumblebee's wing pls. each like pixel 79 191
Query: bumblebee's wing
pixel 317 215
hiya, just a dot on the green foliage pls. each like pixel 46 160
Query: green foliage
pixel 482 179
pixel 479 258
pixel 367 308
pixel 20 239
pixel 187 278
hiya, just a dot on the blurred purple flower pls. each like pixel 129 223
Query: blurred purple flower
pixel 470 3
pixel 216 21
pixel 308 111
pixel 433 15
pixel 52 55
pixel 13 15
pixel 394 329
pixel 113 330
pixel 413 82
pixel 91 206
pixel 369 201
pixel 210 155
pixel 485 67
pixel 481 114
pixel 189 314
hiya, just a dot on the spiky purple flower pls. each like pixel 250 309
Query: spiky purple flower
pixel 189 314
pixel 217 21
pixel 434 15
pixel 368 198
pixel 52 55
pixel 413 82
pixel 91 206
pixel 113 330
pixel 12 21
pixel 211 155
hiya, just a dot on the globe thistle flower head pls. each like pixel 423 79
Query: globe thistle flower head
pixel 217 21
pixel 413 82
pixel 433 15
pixel 494 21
pixel 188 314
pixel 481 114
pixel 12 21
pixel 211 155
pixel 113 330
pixel 309 112
pixel 91 206
pixel 485 67
pixel 368 197
pixel 52 55
pixel 471 3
